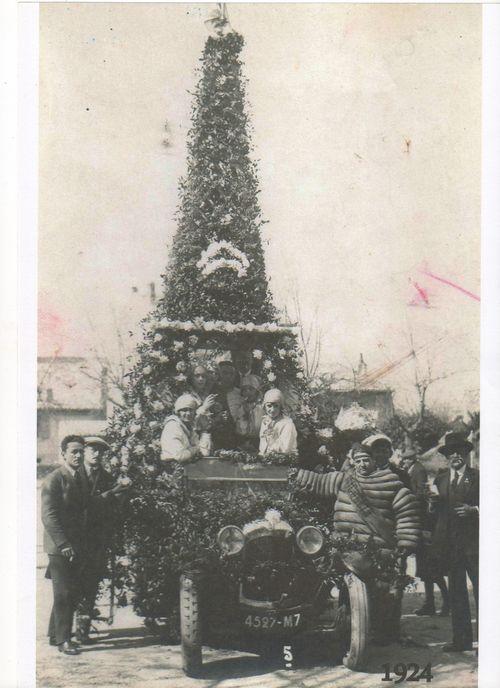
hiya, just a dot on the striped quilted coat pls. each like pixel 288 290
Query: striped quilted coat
pixel 382 492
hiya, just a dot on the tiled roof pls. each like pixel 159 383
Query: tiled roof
pixel 63 384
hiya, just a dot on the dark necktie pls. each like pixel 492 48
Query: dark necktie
pixel 454 482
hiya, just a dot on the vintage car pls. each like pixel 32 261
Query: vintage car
pixel 280 598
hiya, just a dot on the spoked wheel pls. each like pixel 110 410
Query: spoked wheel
pixel 190 626
pixel 356 610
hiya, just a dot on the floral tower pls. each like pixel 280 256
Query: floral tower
pixel 216 301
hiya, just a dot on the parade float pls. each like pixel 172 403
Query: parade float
pixel 218 551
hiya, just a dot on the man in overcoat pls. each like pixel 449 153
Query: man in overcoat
pixel 455 504
pixel 99 494
pixel 429 569
pixel 62 517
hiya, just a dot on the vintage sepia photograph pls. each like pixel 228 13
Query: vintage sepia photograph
pixel 258 391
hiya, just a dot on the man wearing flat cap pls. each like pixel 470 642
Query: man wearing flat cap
pixel 455 503
pixel 100 495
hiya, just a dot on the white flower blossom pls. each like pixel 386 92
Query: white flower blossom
pixel 157 406
pixel 181 367
pixel 282 353
pixel 257 353
pixel 325 433
pixel 114 462
pixel 124 480
pixel 355 417
pixel 323 451
pixel 134 427
pixel 300 375
pixel 268 364
pixel 140 449
pixel 146 370
pixel 157 337
pixel 208 262
pixel 178 344
pixel 148 391
pixel 271 377
pixel 181 377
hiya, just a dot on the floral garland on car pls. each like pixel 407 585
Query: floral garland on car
pixel 238 456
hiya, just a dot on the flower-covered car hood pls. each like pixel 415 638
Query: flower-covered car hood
pixel 272 524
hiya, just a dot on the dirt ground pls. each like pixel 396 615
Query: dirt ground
pixel 128 656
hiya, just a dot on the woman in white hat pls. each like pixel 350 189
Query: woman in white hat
pixel 179 439
pixel 277 431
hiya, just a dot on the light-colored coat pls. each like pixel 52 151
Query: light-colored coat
pixel 278 436
pixel 177 441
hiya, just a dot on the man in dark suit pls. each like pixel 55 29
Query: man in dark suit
pixel 99 494
pixel 62 517
pixel 455 502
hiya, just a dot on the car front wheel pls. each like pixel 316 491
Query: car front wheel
pixel 190 626
pixel 358 629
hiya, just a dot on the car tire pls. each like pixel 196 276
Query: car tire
pixel 359 622
pixel 190 626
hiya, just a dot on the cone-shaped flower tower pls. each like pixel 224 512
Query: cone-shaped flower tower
pixel 216 302
pixel 216 270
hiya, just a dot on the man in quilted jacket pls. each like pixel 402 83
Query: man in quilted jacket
pixel 371 503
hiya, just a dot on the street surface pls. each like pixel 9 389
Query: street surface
pixel 129 656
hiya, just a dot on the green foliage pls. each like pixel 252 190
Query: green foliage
pixel 167 529
pixel 218 200
pixel 424 433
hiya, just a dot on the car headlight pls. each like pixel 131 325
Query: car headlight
pixel 310 539
pixel 231 539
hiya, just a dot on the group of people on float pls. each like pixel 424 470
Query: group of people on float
pixel 210 416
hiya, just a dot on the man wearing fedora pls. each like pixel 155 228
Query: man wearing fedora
pixel 455 503
pixel 99 494
pixel 428 568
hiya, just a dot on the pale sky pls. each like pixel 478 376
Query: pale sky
pixel 366 125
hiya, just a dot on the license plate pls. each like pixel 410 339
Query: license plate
pixel 267 622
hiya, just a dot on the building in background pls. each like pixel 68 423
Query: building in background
pixel 378 400
pixel 68 401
